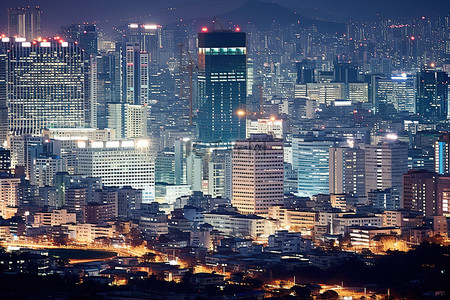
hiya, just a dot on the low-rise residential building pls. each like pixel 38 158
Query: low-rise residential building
pixel 288 242
pixel 296 220
pixel 342 224
pixel 363 236
pixel 54 218
pixel 245 226
pixel 87 233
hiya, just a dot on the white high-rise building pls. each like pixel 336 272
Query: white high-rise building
pixel 129 121
pixel 136 121
pixel 8 196
pixel 385 165
pixel 346 170
pixel 44 169
pixel 120 163
pixel 268 126
pixel 48 85
pixel 257 175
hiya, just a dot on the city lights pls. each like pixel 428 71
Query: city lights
pixel 240 150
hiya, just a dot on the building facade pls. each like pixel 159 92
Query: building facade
pixel 257 174
pixel 222 90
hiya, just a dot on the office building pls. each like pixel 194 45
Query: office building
pixel 310 160
pixel 257 174
pixel 85 35
pixel 106 89
pixel 136 121
pixel 165 167
pixel 119 163
pixel 131 78
pixel 44 169
pixel 432 95
pixel 397 91
pixel 220 173
pixel 3 84
pixel 5 159
pixel 9 196
pixel 148 36
pixel 426 192
pixel 385 164
pixel 442 154
pixel 24 22
pixel 346 167
pixel 345 72
pixel 48 86
pixel 380 65
pixel 221 85
pixel 305 71
pixel 271 126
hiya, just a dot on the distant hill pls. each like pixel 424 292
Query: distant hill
pixel 262 14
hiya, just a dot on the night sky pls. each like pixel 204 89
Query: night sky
pixel 116 12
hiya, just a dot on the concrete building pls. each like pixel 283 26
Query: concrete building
pixel 426 192
pixel 54 218
pixel 311 160
pixel 271 126
pixel 257 174
pixel 295 220
pixel 346 170
pixel 238 225
pixel 119 163
pixel 8 196
pixel 343 223
pixel 385 165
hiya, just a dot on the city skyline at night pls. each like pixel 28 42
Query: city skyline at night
pixel 194 149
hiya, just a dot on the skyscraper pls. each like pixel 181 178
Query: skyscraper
pixel 48 86
pixel 442 154
pixel 385 163
pixel 346 165
pixel 426 192
pixel 3 106
pixel 131 74
pixel 85 35
pixel 398 91
pixel 221 85
pixel 310 159
pixel 148 36
pixel 257 174
pixel 119 163
pixel 432 95
pixel 305 71
pixel 24 22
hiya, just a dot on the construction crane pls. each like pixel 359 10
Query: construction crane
pixel 190 67
pixel 216 21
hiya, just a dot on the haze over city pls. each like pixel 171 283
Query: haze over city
pixel 224 149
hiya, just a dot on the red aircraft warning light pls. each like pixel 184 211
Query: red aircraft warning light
pixel 205 29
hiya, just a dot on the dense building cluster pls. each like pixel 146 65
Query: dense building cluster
pixel 237 150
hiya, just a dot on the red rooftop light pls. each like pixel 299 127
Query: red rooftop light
pixel 204 29
pixel 237 29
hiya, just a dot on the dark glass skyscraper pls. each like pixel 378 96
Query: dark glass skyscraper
pixel 305 71
pixel 24 22
pixel 222 80
pixel 432 95
pixel 85 35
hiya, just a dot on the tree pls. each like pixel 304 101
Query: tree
pixel 135 237
pixel 302 292
pixel 149 257
pixel 330 294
